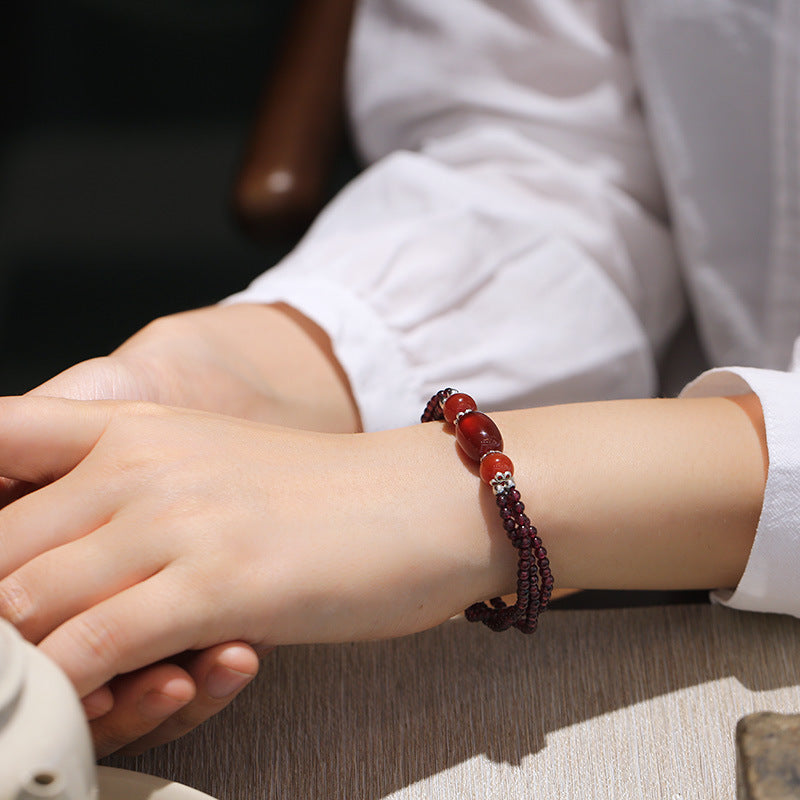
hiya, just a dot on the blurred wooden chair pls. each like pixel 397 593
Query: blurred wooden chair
pixel 298 128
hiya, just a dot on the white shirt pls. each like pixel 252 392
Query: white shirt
pixel 511 235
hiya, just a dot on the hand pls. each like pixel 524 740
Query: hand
pixel 163 531
pixel 224 359
pixel 137 712
pixel 107 378
pixel 213 359
pixel 159 703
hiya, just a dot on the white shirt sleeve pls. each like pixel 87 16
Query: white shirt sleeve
pixel 722 86
pixel 771 580
pixel 509 238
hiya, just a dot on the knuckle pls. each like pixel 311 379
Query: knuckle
pixel 134 417
pixel 139 440
pixel 146 408
pixel 16 604
pixel 97 638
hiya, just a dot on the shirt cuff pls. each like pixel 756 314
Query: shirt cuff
pixel 770 580
pixel 368 351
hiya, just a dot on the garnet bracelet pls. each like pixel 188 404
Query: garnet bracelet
pixel 480 440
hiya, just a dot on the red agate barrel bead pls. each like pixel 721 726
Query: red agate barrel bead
pixel 457 404
pixel 478 435
pixel 492 463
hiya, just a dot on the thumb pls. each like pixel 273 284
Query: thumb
pixel 43 438
pixel 103 378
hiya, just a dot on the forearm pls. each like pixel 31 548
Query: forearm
pixel 644 494
pixel 317 538
pixel 264 363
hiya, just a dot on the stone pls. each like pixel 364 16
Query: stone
pixel 768 757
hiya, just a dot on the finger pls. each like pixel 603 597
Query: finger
pixel 96 379
pixel 142 701
pixel 43 438
pixel 61 583
pixel 144 624
pixel 219 673
pixel 103 378
pixel 97 703
pixel 54 515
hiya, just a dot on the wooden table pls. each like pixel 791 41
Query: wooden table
pixel 628 703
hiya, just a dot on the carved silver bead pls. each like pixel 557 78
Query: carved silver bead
pixel 501 482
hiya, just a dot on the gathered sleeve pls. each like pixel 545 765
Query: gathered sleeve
pixel 509 235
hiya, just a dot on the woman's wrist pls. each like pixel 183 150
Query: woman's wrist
pixel 643 494
pixel 443 518
pixel 264 363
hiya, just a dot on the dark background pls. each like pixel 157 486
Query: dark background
pixel 123 125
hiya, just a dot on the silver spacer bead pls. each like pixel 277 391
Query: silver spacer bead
pixel 443 398
pixel 463 414
pixel 501 482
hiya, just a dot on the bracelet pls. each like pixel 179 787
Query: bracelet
pixel 480 440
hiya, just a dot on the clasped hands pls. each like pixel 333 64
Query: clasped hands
pixel 154 533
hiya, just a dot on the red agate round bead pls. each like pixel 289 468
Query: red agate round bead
pixel 457 404
pixel 492 463
pixel 478 435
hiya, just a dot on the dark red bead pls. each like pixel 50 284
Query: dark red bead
pixel 478 435
pixel 457 404
pixel 494 463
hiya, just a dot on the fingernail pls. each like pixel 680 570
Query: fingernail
pixel 222 681
pixel 157 705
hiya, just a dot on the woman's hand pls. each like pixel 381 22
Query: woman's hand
pixel 160 531
pixel 217 359
pixel 265 363
pixel 163 702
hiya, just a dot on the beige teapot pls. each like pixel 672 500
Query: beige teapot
pixel 45 746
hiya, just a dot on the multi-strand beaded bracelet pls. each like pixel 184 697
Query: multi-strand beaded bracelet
pixel 480 440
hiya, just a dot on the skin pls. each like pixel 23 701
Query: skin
pixel 144 507
pixel 212 359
